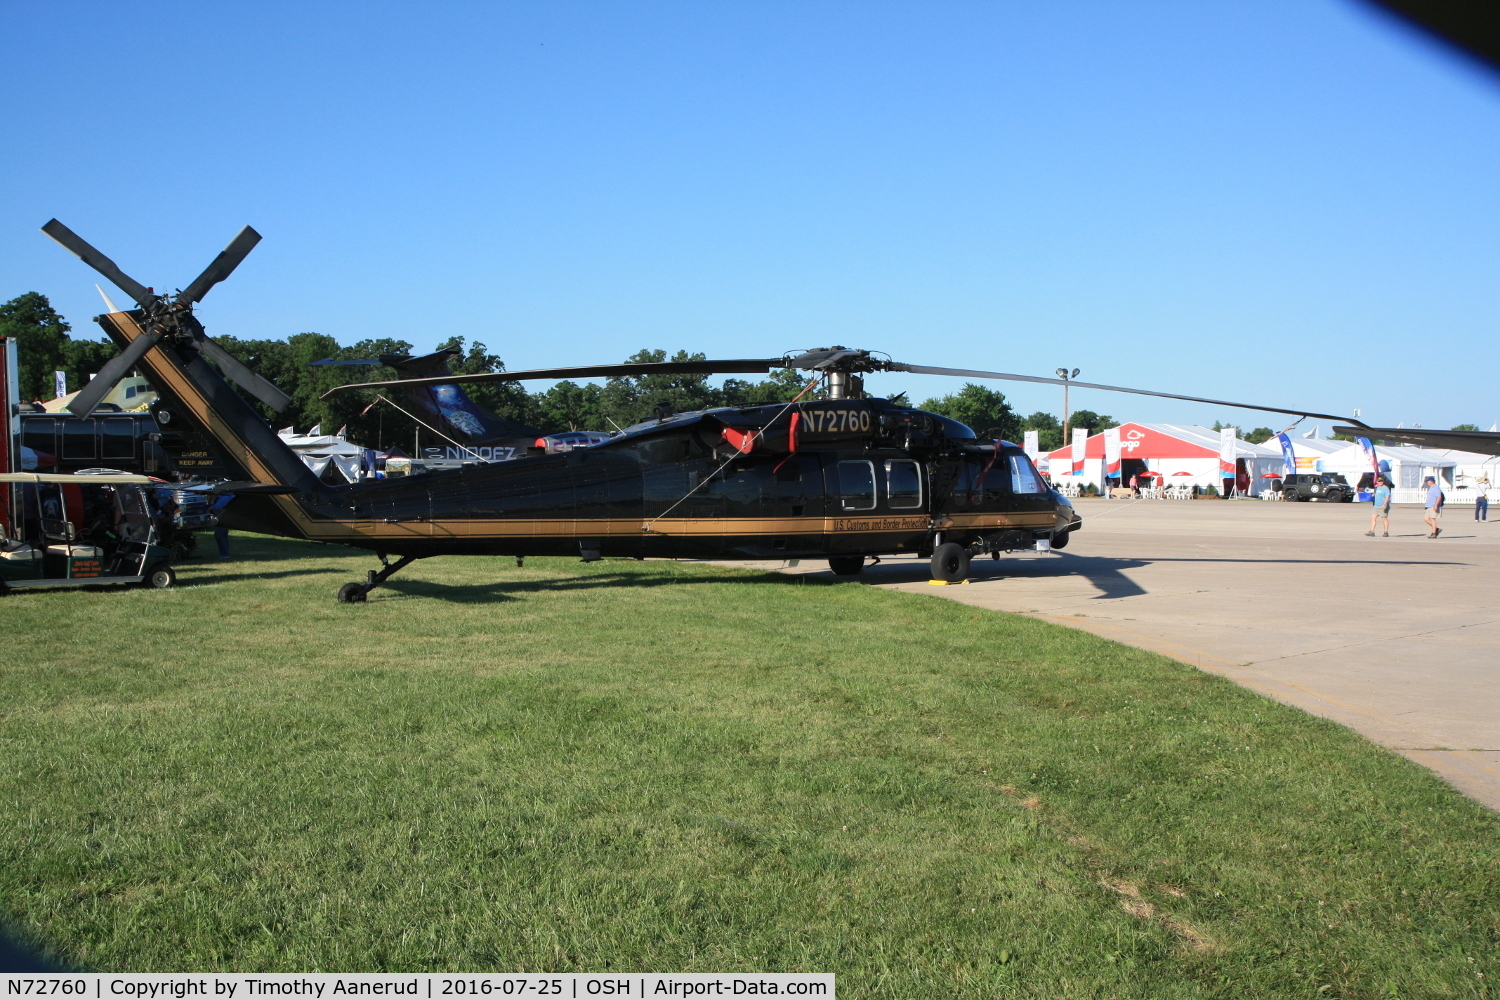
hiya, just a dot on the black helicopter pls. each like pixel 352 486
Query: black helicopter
pixel 845 477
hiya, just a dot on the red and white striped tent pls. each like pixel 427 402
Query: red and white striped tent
pixel 1169 450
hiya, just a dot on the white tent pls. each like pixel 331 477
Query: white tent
pixel 1409 466
pixel 318 451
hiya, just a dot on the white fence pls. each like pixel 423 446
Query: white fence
pixel 1458 495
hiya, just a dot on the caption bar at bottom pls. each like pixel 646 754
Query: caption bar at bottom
pixel 423 986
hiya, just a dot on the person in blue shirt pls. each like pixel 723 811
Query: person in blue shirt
pixel 1432 506
pixel 1382 509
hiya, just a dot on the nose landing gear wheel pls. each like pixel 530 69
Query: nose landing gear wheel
pixel 950 563
pixel 352 593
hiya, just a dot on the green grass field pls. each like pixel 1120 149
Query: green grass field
pixel 676 767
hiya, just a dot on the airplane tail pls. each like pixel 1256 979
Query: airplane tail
pixel 448 408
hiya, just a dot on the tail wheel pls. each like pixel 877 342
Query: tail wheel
pixel 352 593
pixel 161 577
pixel 950 563
pixel 847 565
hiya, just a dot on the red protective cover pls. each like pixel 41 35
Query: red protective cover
pixel 8 461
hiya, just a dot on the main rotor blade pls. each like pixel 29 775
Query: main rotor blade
pixel 1479 442
pixel 337 361
pixel 966 373
pixel 116 368
pixel 222 267
pixel 244 377
pixel 79 247
pixel 748 366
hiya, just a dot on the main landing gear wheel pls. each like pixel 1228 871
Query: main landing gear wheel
pixel 950 563
pixel 1060 539
pixel 160 577
pixel 847 565
pixel 352 593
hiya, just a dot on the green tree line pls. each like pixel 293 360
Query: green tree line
pixel 45 346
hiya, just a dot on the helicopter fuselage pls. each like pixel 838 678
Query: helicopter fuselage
pixel 669 493
pixel 830 477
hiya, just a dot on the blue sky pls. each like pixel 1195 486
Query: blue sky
pixel 1288 202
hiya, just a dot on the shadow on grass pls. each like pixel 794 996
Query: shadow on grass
pixel 503 590
pixel 205 576
pixel 268 549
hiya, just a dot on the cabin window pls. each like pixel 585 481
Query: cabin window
pixel 119 437
pixel 78 438
pixel 857 485
pixel 1023 476
pixel 903 485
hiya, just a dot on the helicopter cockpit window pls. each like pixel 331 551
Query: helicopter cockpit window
pixel 857 485
pixel 903 485
pixel 1023 476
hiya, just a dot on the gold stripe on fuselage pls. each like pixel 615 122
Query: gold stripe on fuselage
pixel 683 527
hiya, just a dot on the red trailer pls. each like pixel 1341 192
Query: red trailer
pixel 10 460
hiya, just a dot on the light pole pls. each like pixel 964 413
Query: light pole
pixel 1066 376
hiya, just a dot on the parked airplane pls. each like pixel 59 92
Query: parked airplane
pixel 469 431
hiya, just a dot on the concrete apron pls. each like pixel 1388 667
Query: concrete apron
pixel 1398 638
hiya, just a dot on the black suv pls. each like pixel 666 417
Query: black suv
pixel 1320 486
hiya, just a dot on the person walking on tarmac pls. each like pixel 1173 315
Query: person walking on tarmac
pixel 1432 506
pixel 1482 502
pixel 1382 509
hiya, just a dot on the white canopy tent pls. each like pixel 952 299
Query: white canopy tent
pixel 318 451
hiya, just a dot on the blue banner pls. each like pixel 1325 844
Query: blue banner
pixel 1287 455
pixel 1369 450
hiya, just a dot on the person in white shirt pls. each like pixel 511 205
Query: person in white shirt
pixel 1432 506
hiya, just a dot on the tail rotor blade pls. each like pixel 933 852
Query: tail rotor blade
pixel 79 247
pixel 222 267
pixel 116 368
pixel 244 377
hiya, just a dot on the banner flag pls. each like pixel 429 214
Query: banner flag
pixel 1227 451
pixel 62 383
pixel 1369 450
pixel 1080 448
pixel 1112 452
pixel 1032 445
pixel 1288 457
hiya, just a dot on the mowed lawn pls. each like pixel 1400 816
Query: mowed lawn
pixel 676 767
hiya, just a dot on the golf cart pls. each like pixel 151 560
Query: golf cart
pixel 78 530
